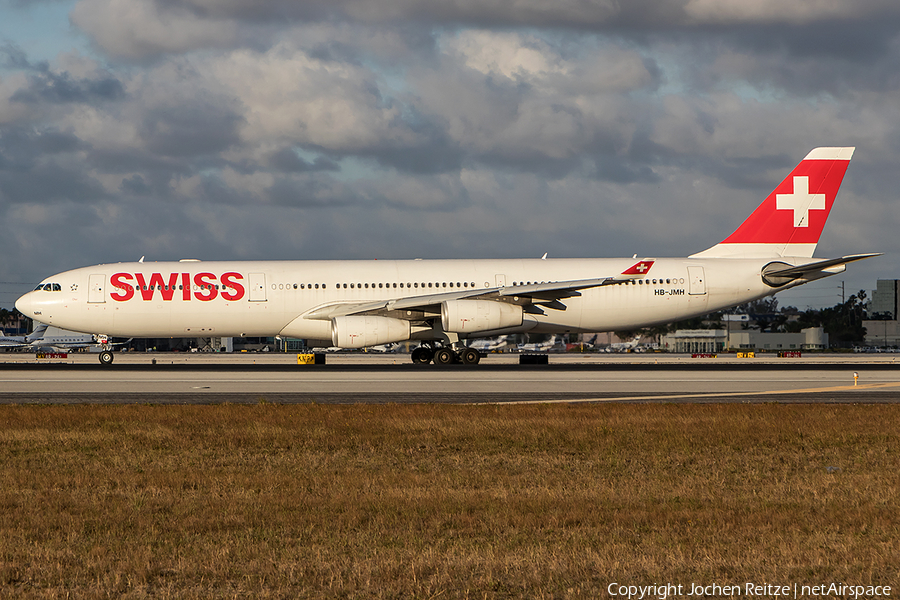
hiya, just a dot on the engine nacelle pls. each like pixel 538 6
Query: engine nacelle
pixel 362 331
pixel 470 316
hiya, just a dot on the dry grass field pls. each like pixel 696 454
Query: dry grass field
pixel 432 501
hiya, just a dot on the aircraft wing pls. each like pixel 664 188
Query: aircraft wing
pixel 543 294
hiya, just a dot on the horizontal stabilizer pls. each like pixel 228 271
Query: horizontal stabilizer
pixel 822 265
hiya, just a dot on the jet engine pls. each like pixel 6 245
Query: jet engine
pixel 362 331
pixel 470 316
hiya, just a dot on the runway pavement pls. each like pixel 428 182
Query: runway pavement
pixel 362 378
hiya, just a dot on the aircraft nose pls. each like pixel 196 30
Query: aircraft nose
pixel 25 304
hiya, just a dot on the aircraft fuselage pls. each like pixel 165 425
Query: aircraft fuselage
pixel 267 298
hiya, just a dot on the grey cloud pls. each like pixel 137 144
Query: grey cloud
pixel 126 160
pixel 311 192
pixel 605 16
pixel 135 185
pixel 288 161
pixel 24 146
pixel 198 127
pixel 48 86
pixel 49 181
pixel 623 170
pixel 572 13
pixel 40 166
pixel 61 88
pixel 14 57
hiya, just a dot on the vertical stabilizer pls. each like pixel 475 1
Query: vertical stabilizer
pixel 791 219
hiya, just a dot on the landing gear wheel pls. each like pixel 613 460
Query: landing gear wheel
pixel 106 358
pixel 422 355
pixel 443 356
pixel 470 356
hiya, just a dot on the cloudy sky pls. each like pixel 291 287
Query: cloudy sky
pixel 248 129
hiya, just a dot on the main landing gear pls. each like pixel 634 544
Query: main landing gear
pixel 444 355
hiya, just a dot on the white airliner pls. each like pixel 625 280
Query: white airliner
pixel 442 303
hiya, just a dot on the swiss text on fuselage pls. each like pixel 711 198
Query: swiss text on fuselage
pixel 199 286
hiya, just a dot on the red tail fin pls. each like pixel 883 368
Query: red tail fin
pixel 790 221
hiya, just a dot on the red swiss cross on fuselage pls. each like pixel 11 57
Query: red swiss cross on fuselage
pixel 639 268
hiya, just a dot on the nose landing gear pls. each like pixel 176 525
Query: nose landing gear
pixel 106 355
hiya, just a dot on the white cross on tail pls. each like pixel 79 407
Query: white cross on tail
pixel 801 201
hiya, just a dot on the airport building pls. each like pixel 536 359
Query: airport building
pixel 883 330
pixel 885 299
pixel 721 340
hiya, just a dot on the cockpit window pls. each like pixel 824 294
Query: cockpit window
pixel 57 287
pixel 49 287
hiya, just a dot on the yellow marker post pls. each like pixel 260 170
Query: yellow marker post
pixel 855 377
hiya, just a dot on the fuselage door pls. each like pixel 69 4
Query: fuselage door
pixel 500 280
pixel 696 281
pixel 97 289
pixel 257 287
